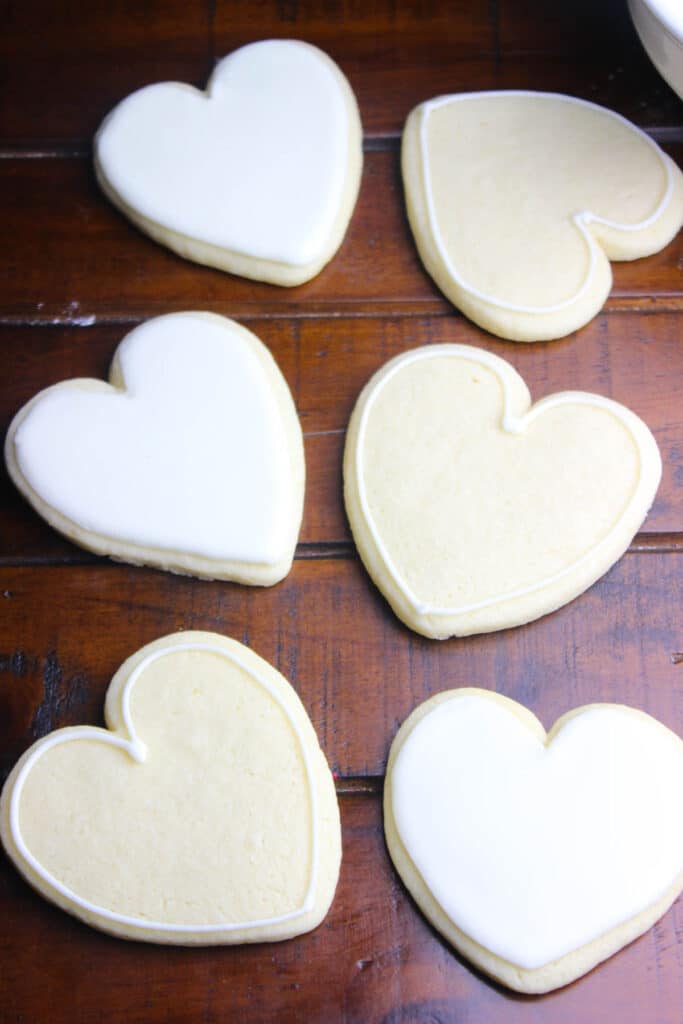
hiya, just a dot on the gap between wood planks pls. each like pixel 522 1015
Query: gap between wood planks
pixel 433 306
pixel 359 785
pixel 376 142
pixel 642 543
pixel 362 310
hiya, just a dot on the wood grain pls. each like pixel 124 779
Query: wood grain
pixel 628 357
pixel 65 66
pixel 93 263
pixel 65 630
pixel 374 960
pixel 76 276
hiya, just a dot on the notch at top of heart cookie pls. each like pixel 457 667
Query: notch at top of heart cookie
pixel 518 200
pixel 258 176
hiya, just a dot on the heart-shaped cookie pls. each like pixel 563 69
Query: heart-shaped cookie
pixel 258 176
pixel 518 200
pixel 206 815
pixel 474 511
pixel 191 459
pixel 536 855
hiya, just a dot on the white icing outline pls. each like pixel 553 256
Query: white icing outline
pixel 509 424
pixel 581 220
pixel 137 750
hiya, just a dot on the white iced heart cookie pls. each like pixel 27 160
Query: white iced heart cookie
pixel 473 510
pixel 207 814
pixel 258 176
pixel 518 200
pixel 190 460
pixel 536 855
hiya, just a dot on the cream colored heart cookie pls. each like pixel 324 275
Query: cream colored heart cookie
pixel 191 459
pixel 537 856
pixel 518 200
pixel 206 814
pixel 474 510
pixel 258 176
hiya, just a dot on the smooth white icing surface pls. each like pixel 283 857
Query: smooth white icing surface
pixel 535 850
pixel 671 13
pixel 581 219
pixel 136 749
pixel 256 165
pixel 510 424
pixel 191 457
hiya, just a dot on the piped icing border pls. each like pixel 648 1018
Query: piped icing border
pixel 137 750
pixel 512 425
pixel 581 220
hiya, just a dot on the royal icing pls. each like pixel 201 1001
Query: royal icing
pixel 535 849
pixel 257 165
pixel 135 748
pixel 190 457
pixel 581 218
pixel 512 424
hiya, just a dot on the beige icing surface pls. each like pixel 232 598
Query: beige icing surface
pixel 217 823
pixel 518 199
pixel 472 512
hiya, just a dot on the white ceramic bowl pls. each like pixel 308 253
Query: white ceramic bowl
pixel 660 26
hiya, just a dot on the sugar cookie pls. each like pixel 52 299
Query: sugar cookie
pixel 206 814
pixel 258 176
pixel 518 200
pixel 537 856
pixel 473 510
pixel 190 460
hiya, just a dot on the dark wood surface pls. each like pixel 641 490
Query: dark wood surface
pixel 76 276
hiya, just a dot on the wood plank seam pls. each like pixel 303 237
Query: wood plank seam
pixel 414 309
pixel 643 543
pixel 373 142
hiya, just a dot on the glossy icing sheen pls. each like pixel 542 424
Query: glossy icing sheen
pixel 191 457
pixel 256 165
pixel 135 748
pixel 671 13
pixel 511 424
pixel 580 218
pixel 534 850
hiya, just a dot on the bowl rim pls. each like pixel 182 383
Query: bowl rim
pixel 663 12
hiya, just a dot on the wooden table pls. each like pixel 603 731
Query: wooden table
pixel 76 276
